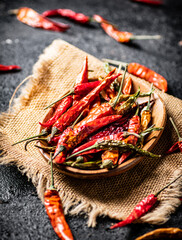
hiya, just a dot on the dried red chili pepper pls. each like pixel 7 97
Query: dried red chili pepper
pixel 120 36
pixel 77 17
pixel 127 86
pixel 134 127
pixel 34 19
pixel 62 107
pixel 5 68
pixel 70 139
pixel 145 73
pixel 67 118
pixel 142 207
pixel 178 144
pixel 55 211
pixel 151 2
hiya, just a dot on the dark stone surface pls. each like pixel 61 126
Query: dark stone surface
pixel 22 215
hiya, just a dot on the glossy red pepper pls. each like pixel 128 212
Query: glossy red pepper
pixel 77 17
pixel 70 139
pixel 127 86
pixel 71 115
pixel 142 207
pixel 34 19
pixel 5 68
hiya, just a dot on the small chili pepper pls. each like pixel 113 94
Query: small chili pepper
pixel 115 145
pixel 55 212
pixel 70 139
pixel 6 68
pixel 34 19
pixel 145 73
pixel 150 2
pixel 127 86
pixel 142 207
pixel 68 117
pixel 77 17
pixel 122 37
pixel 62 107
pixel 178 144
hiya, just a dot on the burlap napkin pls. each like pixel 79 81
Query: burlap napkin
pixel 115 197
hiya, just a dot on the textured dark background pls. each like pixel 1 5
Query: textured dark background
pixel 22 215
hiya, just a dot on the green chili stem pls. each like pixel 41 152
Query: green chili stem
pixel 121 85
pixel 144 37
pixel 61 148
pixel 52 177
pixel 156 194
pixel 114 62
pixel 37 139
pixel 107 68
pixel 78 160
pixel 78 118
pixel 46 148
pixel 179 137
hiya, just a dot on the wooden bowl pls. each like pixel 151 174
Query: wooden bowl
pixel 158 118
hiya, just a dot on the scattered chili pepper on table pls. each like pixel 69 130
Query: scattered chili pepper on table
pixel 142 207
pixel 6 68
pixel 150 2
pixel 34 19
pixel 178 144
pixel 55 212
pixel 119 36
pixel 144 73
pixel 68 13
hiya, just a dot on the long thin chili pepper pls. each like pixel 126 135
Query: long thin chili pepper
pixel 34 19
pixel 77 17
pixel 6 68
pixel 72 138
pixel 62 107
pixel 142 207
pixel 55 212
pixel 114 145
pixel 134 127
pixel 178 144
pixel 150 2
pixel 120 36
pixel 144 73
pixel 67 118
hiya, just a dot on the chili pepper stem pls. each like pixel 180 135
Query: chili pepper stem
pixel 114 62
pixel 144 37
pixel 121 85
pixel 179 137
pixel 77 120
pixel 60 149
pixel 66 95
pixel 156 194
pixel 52 177
pixel 13 11
pixel 44 133
pixel 78 160
pixel 37 139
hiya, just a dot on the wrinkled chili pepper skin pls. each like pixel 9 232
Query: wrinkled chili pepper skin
pixel 62 107
pixel 113 31
pixel 74 137
pixel 82 89
pixel 127 86
pixel 134 127
pixel 141 208
pixel 77 17
pixel 71 115
pixel 6 68
pixel 33 19
pixel 175 147
pixel 149 75
pixel 83 75
pixel 55 212
pixel 145 119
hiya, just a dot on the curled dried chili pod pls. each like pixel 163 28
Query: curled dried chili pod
pixel 145 73
pixel 142 207
pixel 55 211
pixel 34 19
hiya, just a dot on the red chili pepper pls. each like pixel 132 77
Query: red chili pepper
pixel 151 2
pixel 62 107
pixel 178 144
pixel 145 73
pixel 119 36
pixel 69 117
pixel 55 211
pixel 141 208
pixel 34 19
pixel 72 138
pixel 127 86
pixel 134 127
pixel 5 68
pixel 83 75
pixel 77 17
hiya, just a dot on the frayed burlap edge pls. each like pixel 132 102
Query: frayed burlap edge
pixel 71 204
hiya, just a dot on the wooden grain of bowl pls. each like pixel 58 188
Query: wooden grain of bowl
pixel 158 118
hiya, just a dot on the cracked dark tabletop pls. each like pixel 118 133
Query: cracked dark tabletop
pixel 22 215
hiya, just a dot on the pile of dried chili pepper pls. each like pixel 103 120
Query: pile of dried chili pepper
pixel 90 131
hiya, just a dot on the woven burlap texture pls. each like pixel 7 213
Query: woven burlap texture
pixel 115 197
